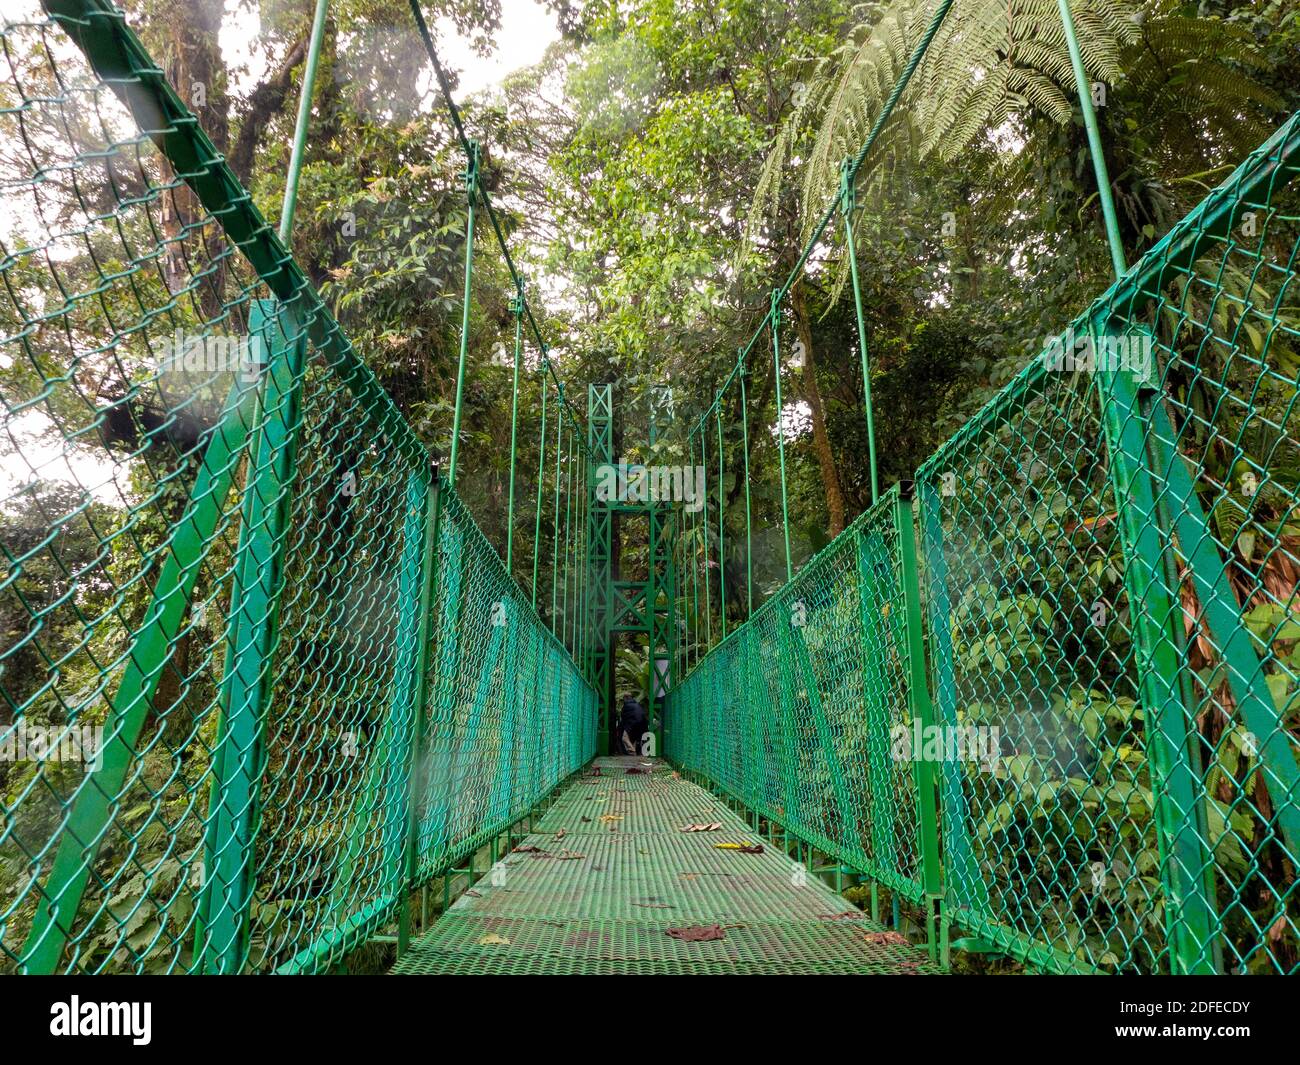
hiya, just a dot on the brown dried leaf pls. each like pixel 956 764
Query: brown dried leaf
pixel 886 939
pixel 698 933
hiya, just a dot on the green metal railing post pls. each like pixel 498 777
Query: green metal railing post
pixel 303 121
pixel 704 538
pixel 749 536
pixel 875 648
pixel 695 569
pixel 848 204
pixel 471 192
pixel 517 309
pixel 722 543
pixel 774 318
pixel 555 525
pixel 541 471
pixel 255 596
pixel 921 709
pixel 151 652
pixel 568 534
pixel 418 776
pixel 1129 412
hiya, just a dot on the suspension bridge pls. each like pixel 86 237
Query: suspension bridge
pixel 318 709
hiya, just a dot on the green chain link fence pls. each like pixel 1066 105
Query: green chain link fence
pixel 262 674
pixel 1108 611
pixel 794 711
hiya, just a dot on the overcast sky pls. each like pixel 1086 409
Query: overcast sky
pixel 527 29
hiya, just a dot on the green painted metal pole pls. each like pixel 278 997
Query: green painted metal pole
pixel 704 524
pixel 471 190
pixel 774 319
pixel 1094 140
pixel 580 580
pixel 517 309
pixel 541 470
pixel 555 525
pixel 568 534
pixel 418 770
pixel 303 120
pixel 749 536
pixel 922 710
pixel 874 629
pixel 848 203
pixel 722 543
pixel 1187 864
pixel 255 597
pixel 695 568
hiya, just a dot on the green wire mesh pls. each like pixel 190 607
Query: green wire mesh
pixel 794 712
pixel 511 717
pixel 263 674
pixel 219 750
pixel 1110 597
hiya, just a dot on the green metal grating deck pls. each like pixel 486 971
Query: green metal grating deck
pixel 609 911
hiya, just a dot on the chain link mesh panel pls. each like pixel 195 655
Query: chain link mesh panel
pixel 798 712
pixel 219 545
pixel 510 717
pixel 1112 595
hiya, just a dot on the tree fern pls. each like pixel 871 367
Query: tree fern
pixel 997 60
pixel 989 60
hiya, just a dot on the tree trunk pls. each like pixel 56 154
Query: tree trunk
pixel 813 397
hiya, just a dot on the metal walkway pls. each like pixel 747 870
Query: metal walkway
pixel 614 872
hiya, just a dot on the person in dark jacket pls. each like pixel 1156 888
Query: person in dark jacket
pixel 632 724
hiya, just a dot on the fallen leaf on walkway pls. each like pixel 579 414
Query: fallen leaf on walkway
pixel 688 876
pixel 698 933
pixel 886 939
pixel 492 940
pixel 560 834
pixel 607 818
pixel 712 826
pixel 586 820
pixel 474 894
pixel 528 848
pixel 634 770
pixel 743 848
pixel 568 856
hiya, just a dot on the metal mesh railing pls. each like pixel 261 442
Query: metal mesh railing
pixel 1110 597
pixel 798 712
pixel 261 673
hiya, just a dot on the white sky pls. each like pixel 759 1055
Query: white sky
pixel 527 30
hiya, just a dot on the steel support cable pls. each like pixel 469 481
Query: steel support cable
pixel 936 20
pixel 445 86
